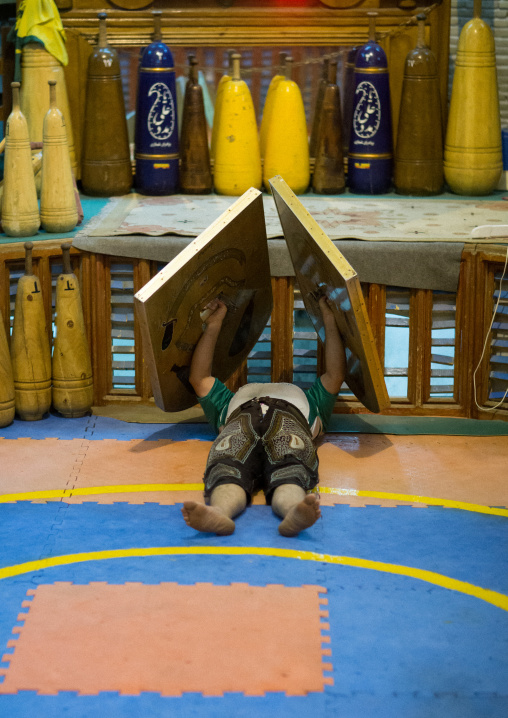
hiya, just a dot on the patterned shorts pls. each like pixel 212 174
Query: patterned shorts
pixel 259 450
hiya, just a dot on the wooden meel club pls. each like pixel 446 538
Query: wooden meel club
pixel 36 168
pixel 287 143
pixel 237 163
pixel 472 155
pixel 30 348
pixel 38 66
pixel 156 133
pixel 418 165
pixel 268 107
pixel 228 260
pixel 348 98
pixel 218 102
pixel 6 380
pixel 195 172
pixel 106 164
pixel 20 209
pixel 328 177
pixel 58 204
pixel 71 371
pixel 370 155
pixel 320 269
pixel 323 82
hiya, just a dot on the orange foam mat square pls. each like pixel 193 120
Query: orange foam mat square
pixel 30 465
pixel 110 462
pixel 39 465
pixel 170 639
pixel 459 468
pixel 455 468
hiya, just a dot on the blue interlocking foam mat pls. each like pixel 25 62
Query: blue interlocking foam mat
pixel 100 427
pixel 400 646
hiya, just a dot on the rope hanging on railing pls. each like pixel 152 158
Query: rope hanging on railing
pixel 408 22
pixel 413 20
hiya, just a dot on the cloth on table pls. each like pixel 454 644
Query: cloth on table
pixel 406 242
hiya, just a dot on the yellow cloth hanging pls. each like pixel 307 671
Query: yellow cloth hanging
pixel 39 20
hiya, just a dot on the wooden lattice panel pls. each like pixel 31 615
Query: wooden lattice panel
pixel 498 362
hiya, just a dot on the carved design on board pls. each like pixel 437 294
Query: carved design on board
pixel 228 260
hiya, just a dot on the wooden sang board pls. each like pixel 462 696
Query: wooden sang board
pixel 228 260
pixel 321 268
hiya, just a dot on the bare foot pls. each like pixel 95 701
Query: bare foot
pixel 207 518
pixel 301 516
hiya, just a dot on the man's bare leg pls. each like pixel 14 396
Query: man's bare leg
pixel 226 502
pixel 297 509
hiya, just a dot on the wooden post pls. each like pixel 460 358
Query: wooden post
pixel 375 295
pixel 464 333
pixel 85 283
pixel 101 357
pixel 481 337
pixel 489 260
pixel 142 274
pixel 282 328
pixel 420 323
pixel 43 271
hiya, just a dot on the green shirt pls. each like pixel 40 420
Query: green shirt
pixel 215 403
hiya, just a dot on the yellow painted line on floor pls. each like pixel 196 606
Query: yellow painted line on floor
pixel 496 599
pixel 96 490
pixel 149 488
pixel 462 505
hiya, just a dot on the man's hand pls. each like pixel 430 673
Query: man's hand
pixel 214 313
pixel 201 363
pixel 326 310
pixel 335 359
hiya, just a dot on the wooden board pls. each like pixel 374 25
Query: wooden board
pixel 321 268
pixel 230 260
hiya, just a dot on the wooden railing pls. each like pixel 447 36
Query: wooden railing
pixel 435 372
